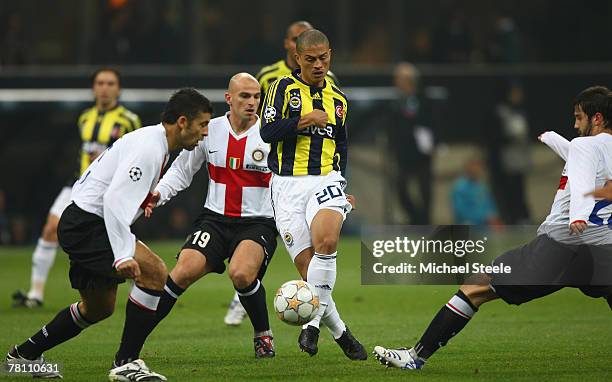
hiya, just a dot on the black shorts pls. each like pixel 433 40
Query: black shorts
pixel 544 266
pixel 83 237
pixel 217 236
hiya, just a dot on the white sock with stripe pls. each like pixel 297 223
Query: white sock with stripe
pixel 322 276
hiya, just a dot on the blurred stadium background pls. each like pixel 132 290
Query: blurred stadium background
pixel 467 52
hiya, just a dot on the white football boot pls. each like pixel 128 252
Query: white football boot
pixel 235 313
pixel 134 371
pixel 35 367
pixel 401 358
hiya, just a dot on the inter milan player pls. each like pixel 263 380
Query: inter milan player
pixel 99 126
pixel 94 231
pixel 572 247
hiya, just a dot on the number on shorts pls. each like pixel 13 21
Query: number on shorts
pixel 594 218
pixel 201 238
pixel 331 192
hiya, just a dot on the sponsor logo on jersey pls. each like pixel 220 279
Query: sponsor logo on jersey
pixel 288 238
pixel 135 174
pixel 234 163
pixel 316 96
pixel 258 155
pixel 256 167
pixel 295 102
pixel 327 131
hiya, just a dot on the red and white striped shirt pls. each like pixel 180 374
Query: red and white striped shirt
pixel 239 178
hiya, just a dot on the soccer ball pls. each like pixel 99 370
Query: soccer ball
pixel 296 302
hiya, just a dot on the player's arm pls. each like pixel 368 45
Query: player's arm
pixel 342 145
pixel 556 142
pixel 274 127
pixel 180 175
pixel 582 164
pixel 124 197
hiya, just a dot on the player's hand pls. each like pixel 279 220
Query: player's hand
pixel 316 117
pixel 351 199
pixel 578 227
pixel 540 136
pixel 152 204
pixel 129 269
pixel 602 193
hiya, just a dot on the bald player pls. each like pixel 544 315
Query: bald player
pixel 266 77
pixel 236 222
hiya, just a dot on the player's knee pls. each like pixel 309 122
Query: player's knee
pixel 241 278
pixel 159 273
pixel 326 244
pixel 478 290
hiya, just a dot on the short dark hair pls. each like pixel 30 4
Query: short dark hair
pixel 312 37
pixel 106 69
pixel 596 99
pixel 188 102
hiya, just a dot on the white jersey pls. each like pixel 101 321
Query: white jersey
pixel 118 185
pixel 239 178
pixel 588 166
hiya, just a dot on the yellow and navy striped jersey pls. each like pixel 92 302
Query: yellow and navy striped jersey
pixel 313 150
pixel 268 74
pixel 100 129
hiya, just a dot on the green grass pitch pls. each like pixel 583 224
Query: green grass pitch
pixel 563 337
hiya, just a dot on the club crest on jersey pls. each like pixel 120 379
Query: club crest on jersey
pixel 258 155
pixel 340 111
pixel 295 102
pixel 135 174
pixel 288 238
pixel 269 113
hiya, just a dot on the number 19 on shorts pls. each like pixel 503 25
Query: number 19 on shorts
pixel 201 238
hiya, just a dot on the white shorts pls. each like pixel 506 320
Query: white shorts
pixel 297 199
pixel 61 202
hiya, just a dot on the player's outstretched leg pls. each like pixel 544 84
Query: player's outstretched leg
pixel 140 318
pixel 235 312
pixel 95 305
pixel 42 261
pixel 244 268
pixel 325 232
pixel 449 321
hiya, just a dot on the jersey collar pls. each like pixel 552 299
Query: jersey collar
pixel 296 75
pixel 117 105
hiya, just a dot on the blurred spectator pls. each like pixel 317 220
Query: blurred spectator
pixel 452 41
pixel 376 39
pixel 471 201
pixel 411 143
pixel 505 45
pixel 14 44
pixel 19 230
pixel 179 222
pixel 510 155
pixel 5 236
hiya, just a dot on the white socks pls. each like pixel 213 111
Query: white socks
pixel 42 261
pixel 322 275
pixel 332 320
